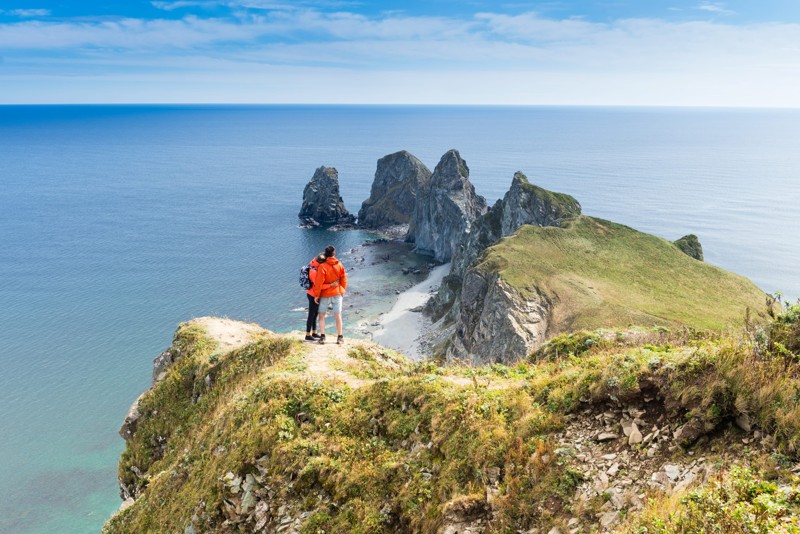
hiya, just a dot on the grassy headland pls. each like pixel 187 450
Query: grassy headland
pixel 600 274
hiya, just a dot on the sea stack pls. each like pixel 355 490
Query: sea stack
pixel 445 209
pixel 394 192
pixel 322 204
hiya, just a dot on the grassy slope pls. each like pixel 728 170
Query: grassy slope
pixel 362 448
pixel 391 448
pixel 603 274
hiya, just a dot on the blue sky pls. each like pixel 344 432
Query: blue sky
pixel 613 52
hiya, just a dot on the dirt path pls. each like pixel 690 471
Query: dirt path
pixel 323 360
pixel 228 333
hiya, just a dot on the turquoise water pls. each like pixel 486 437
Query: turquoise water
pixel 118 222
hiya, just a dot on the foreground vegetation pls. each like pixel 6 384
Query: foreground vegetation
pixel 252 440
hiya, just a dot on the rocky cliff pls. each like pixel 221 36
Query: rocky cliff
pixel 496 322
pixel 445 209
pixel 394 191
pixel 524 203
pixel 322 203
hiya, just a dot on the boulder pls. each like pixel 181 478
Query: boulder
pixel 394 191
pixel 445 209
pixel 322 204
pixel 691 431
pixel 743 422
pixel 690 245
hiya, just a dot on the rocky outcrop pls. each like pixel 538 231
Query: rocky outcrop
pixel 394 191
pixel 445 209
pixel 524 203
pixel 322 204
pixel 161 364
pixel 690 245
pixel 496 322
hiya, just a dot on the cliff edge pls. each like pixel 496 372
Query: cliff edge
pixel 624 431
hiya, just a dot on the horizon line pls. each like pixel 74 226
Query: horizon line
pixel 402 104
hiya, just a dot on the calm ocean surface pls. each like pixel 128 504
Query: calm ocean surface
pixel 119 222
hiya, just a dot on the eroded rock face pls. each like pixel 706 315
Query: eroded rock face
pixel 322 204
pixel 690 245
pixel 495 322
pixel 394 191
pixel 445 209
pixel 161 364
pixel 524 203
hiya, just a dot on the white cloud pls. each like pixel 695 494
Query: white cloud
pixel 646 61
pixel 171 6
pixel 27 13
pixel 532 27
pixel 715 7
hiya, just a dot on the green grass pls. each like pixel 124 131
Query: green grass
pixel 600 274
pixel 565 203
pixel 420 439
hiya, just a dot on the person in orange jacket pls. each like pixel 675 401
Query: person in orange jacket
pixel 313 305
pixel 327 273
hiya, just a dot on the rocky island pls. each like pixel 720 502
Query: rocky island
pixel 322 203
pixel 391 202
pixel 586 377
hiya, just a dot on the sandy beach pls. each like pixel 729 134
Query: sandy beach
pixel 401 328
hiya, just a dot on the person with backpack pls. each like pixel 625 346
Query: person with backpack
pixel 327 273
pixel 308 273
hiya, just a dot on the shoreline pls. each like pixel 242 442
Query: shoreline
pixel 402 328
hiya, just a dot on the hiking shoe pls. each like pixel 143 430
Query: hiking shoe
pixel 321 339
pixel 315 335
pixel 340 340
pixel 310 338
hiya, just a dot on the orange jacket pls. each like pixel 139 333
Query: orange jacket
pixel 327 273
pixel 312 275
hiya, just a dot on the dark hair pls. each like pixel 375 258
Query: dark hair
pixel 330 251
pixel 321 258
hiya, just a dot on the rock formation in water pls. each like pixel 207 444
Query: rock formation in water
pixel 690 245
pixel 322 204
pixel 394 191
pixel 445 209
pixel 524 203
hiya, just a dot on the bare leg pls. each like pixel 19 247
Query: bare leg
pixel 338 317
pixel 321 323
